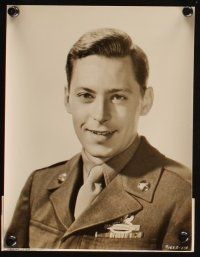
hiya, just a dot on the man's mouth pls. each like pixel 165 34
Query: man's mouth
pixel 102 133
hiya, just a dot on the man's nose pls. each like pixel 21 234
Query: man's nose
pixel 101 110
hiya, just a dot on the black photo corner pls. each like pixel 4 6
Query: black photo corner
pixel 188 8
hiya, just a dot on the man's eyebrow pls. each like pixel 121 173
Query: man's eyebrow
pixel 113 90
pixel 85 89
pixel 116 90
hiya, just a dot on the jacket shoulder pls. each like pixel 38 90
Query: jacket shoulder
pixel 53 168
pixel 178 169
pixel 54 175
pixel 43 176
pixel 175 169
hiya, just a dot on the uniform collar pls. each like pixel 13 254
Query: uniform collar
pixel 112 166
pixel 65 172
pixel 145 167
pixel 124 194
pixel 63 189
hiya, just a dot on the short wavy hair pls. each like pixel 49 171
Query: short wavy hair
pixel 109 42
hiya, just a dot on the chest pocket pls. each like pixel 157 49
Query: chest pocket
pixel 92 242
pixel 43 236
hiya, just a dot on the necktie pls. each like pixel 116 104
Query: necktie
pixel 89 191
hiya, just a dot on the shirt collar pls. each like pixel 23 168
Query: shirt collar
pixel 112 166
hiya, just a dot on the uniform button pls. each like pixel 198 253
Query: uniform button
pixel 183 236
pixel 62 177
pixel 11 241
pixel 143 185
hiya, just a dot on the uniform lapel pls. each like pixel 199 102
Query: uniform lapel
pixel 122 195
pixel 145 167
pixel 112 203
pixel 61 195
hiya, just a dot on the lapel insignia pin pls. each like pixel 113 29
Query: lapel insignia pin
pixel 62 177
pixel 143 185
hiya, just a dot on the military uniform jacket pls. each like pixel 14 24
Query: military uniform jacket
pixel 147 206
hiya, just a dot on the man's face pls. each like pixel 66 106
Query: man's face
pixel 105 102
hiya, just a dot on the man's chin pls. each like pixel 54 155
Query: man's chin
pixel 101 152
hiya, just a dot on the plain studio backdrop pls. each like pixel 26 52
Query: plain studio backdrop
pixel 38 130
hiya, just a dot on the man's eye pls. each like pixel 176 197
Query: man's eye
pixel 86 97
pixel 118 98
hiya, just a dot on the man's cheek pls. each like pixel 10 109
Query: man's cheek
pixel 79 124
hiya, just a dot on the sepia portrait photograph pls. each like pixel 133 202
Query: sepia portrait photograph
pixel 98 129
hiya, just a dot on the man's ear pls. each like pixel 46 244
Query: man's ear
pixel 147 101
pixel 67 104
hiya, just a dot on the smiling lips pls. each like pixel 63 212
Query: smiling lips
pixel 102 133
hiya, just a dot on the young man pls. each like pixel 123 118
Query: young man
pixel 119 192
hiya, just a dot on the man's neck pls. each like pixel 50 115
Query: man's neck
pixel 94 159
